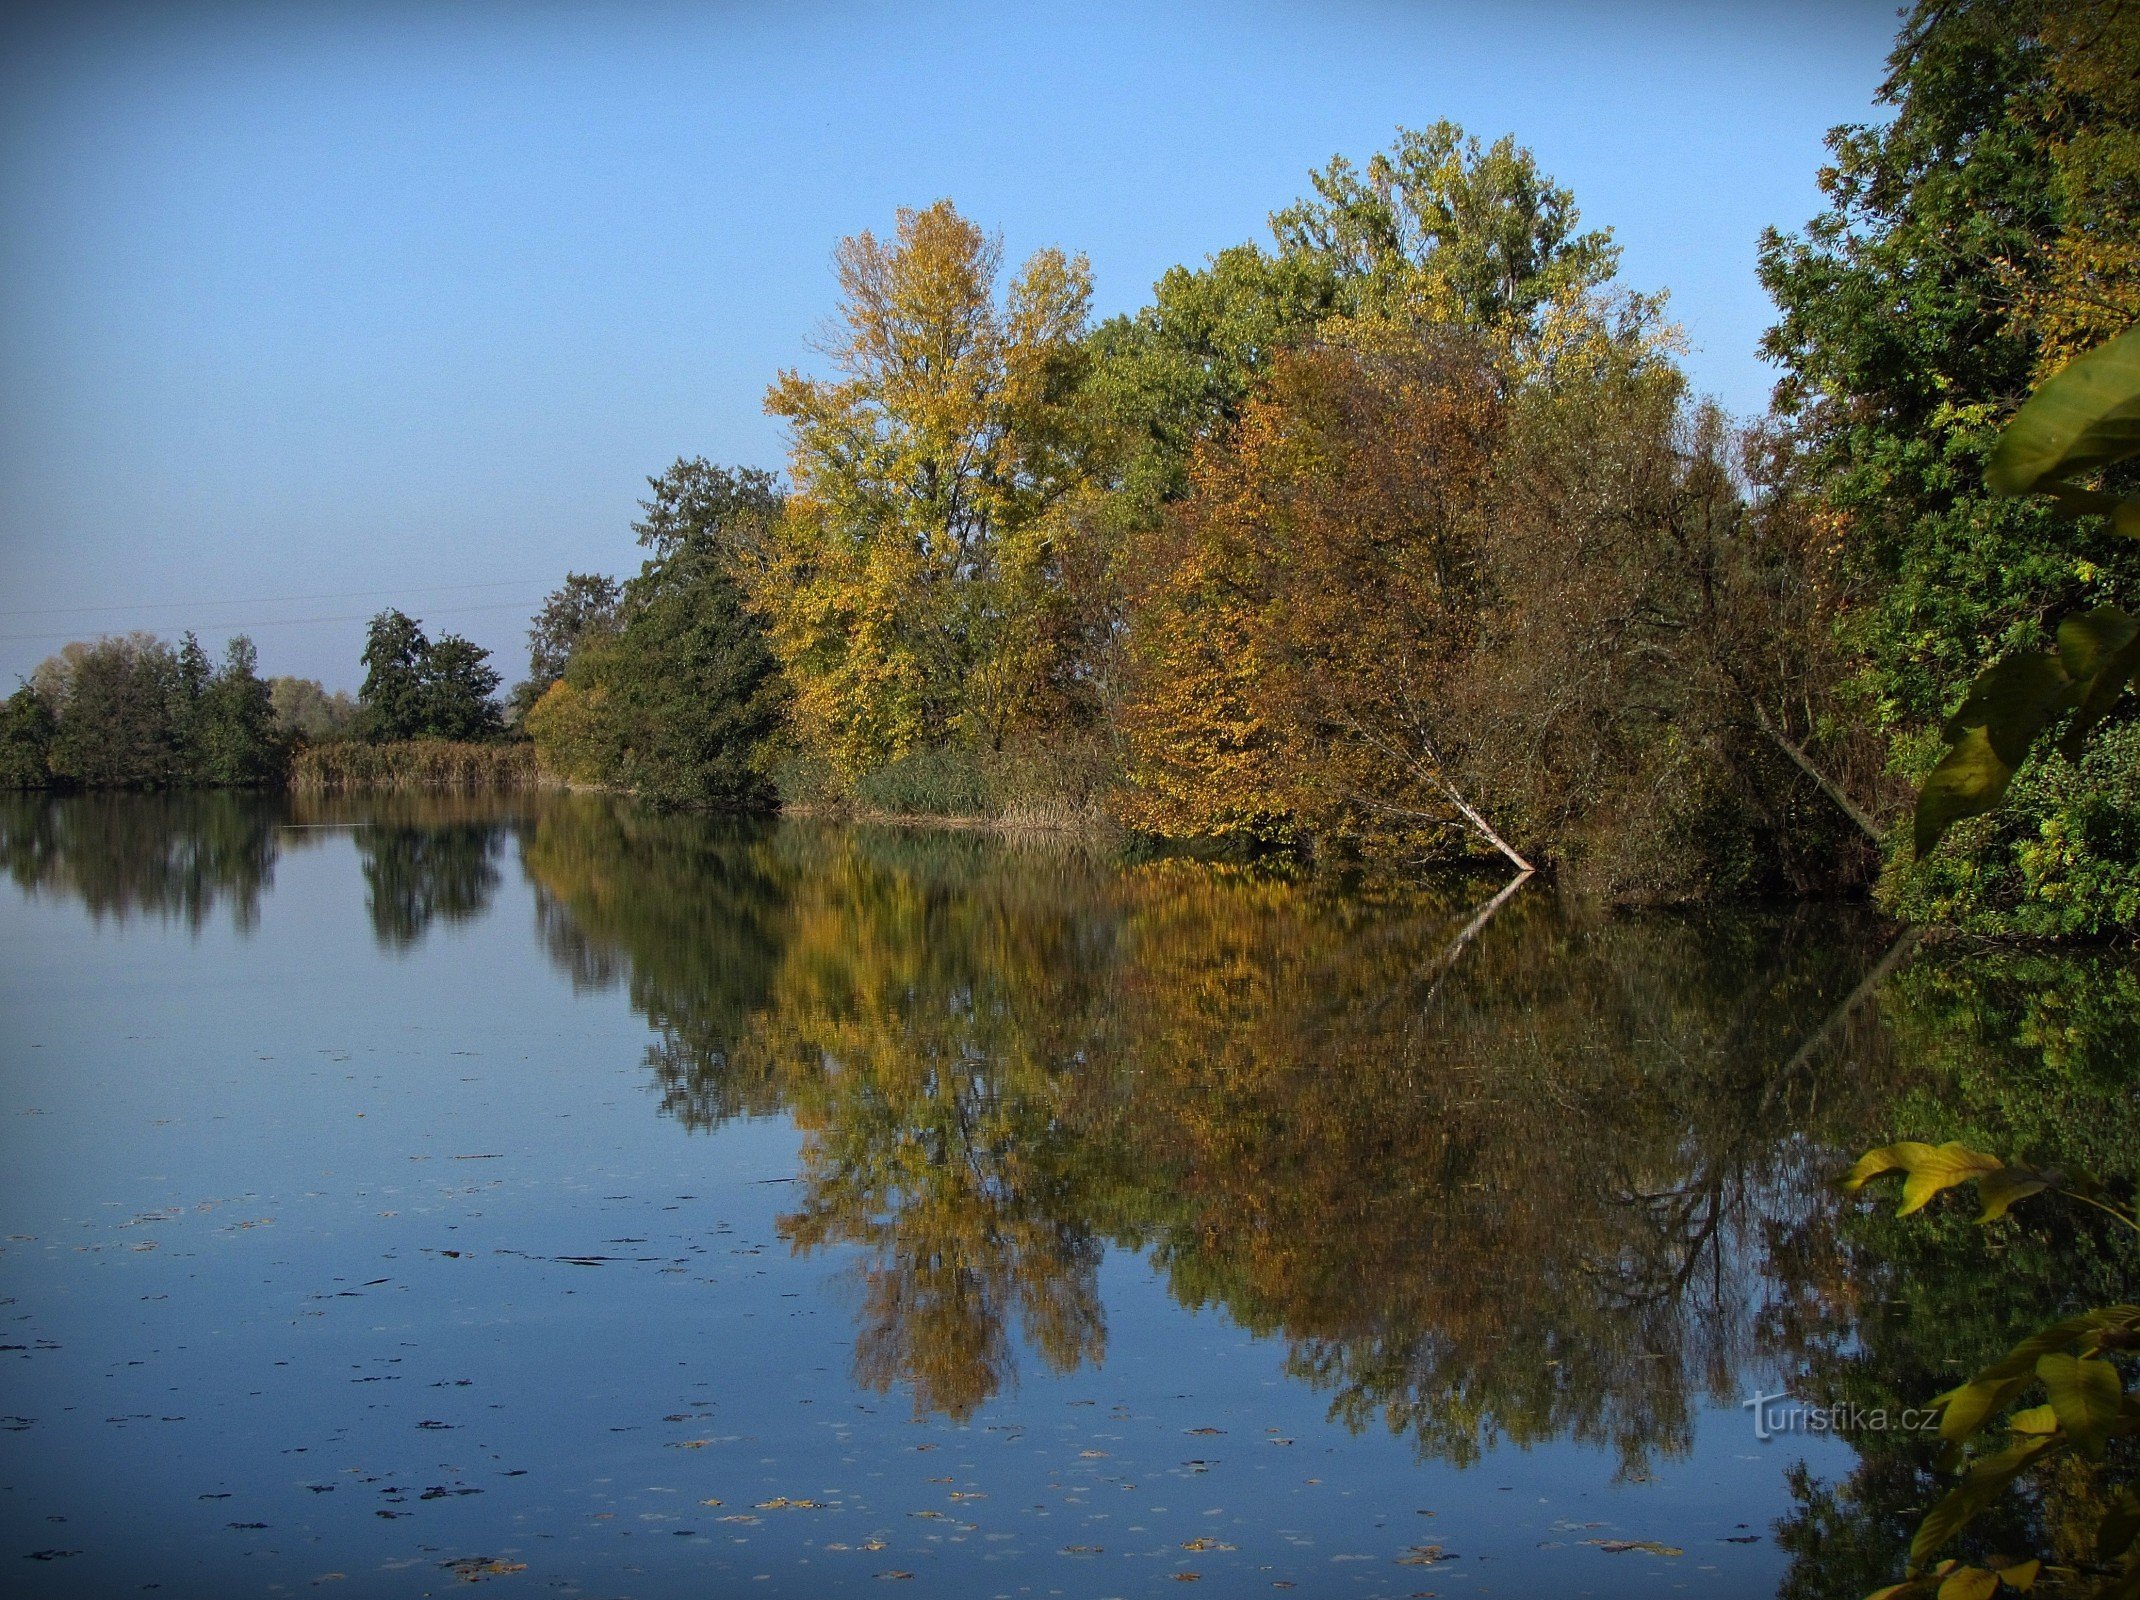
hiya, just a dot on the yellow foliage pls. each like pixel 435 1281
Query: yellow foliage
pixel 900 587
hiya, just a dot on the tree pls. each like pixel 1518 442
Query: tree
pixel 416 689
pixel 396 656
pixel 1902 347
pixel 1293 623
pixel 236 741
pixel 676 696
pixel 457 689
pixel 1436 229
pixel 27 730
pixel 304 709
pixel 584 604
pixel 120 704
pixel 699 509
pixel 919 531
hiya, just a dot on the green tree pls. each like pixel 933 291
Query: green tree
pixel 583 605
pixel 236 741
pixel 675 699
pixel 457 689
pixel 1437 228
pixel 27 729
pixel 1959 247
pixel 414 688
pixel 396 655
pixel 304 709
pixel 120 704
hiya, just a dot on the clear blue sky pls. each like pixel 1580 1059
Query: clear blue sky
pixel 314 308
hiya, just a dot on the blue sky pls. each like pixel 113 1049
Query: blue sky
pixel 314 308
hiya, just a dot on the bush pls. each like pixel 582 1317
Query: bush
pixel 2060 861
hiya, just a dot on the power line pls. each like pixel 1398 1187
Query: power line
pixel 271 599
pixel 288 622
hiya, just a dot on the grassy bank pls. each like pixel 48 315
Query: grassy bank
pixel 1063 788
pixel 415 764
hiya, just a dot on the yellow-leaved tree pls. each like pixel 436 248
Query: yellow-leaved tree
pixel 910 585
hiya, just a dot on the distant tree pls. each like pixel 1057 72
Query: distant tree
pixel 585 603
pixel 189 691
pixel 1437 229
pixel 305 709
pixel 396 655
pixel 914 551
pixel 416 689
pixel 676 698
pixel 457 690
pixel 27 729
pixel 699 509
pixel 235 739
pixel 121 705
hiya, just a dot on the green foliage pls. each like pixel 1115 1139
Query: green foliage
pixel 27 731
pixel 2060 859
pixel 305 710
pixel 675 697
pixel 236 742
pixel 1436 228
pixel 2074 1361
pixel 131 712
pixel 2084 418
pixel 583 605
pixel 417 689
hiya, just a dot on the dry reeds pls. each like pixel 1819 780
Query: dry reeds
pixel 415 764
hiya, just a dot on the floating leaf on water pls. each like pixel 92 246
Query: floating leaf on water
pixel 474 1569
pixel 1622 1546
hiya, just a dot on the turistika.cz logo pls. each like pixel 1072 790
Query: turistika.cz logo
pixel 1780 1414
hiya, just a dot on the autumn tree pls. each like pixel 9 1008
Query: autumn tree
pixel 908 580
pixel 1296 618
pixel 1438 228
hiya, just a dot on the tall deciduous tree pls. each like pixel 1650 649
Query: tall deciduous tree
pixel 396 654
pixel 674 699
pixel 925 471
pixel 583 605
pixel 415 688
pixel 1438 229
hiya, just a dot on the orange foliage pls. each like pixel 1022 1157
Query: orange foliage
pixel 1291 619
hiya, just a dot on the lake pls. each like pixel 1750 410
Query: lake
pixel 554 1195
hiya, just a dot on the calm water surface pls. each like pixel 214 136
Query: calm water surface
pixel 575 1200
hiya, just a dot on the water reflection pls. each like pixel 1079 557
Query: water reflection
pixel 177 857
pixel 1530 1194
pixel 1571 1180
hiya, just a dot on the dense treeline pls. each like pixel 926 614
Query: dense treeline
pixel 1398 537
pixel 1401 536
pixel 133 712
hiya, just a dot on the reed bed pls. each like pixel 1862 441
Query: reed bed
pixel 416 764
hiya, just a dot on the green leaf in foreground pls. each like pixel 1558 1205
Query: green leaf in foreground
pixel 2086 1396
pixel 2010 705
pixel 2085 416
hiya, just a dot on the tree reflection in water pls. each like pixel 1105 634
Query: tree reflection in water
pixel 1533 1194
